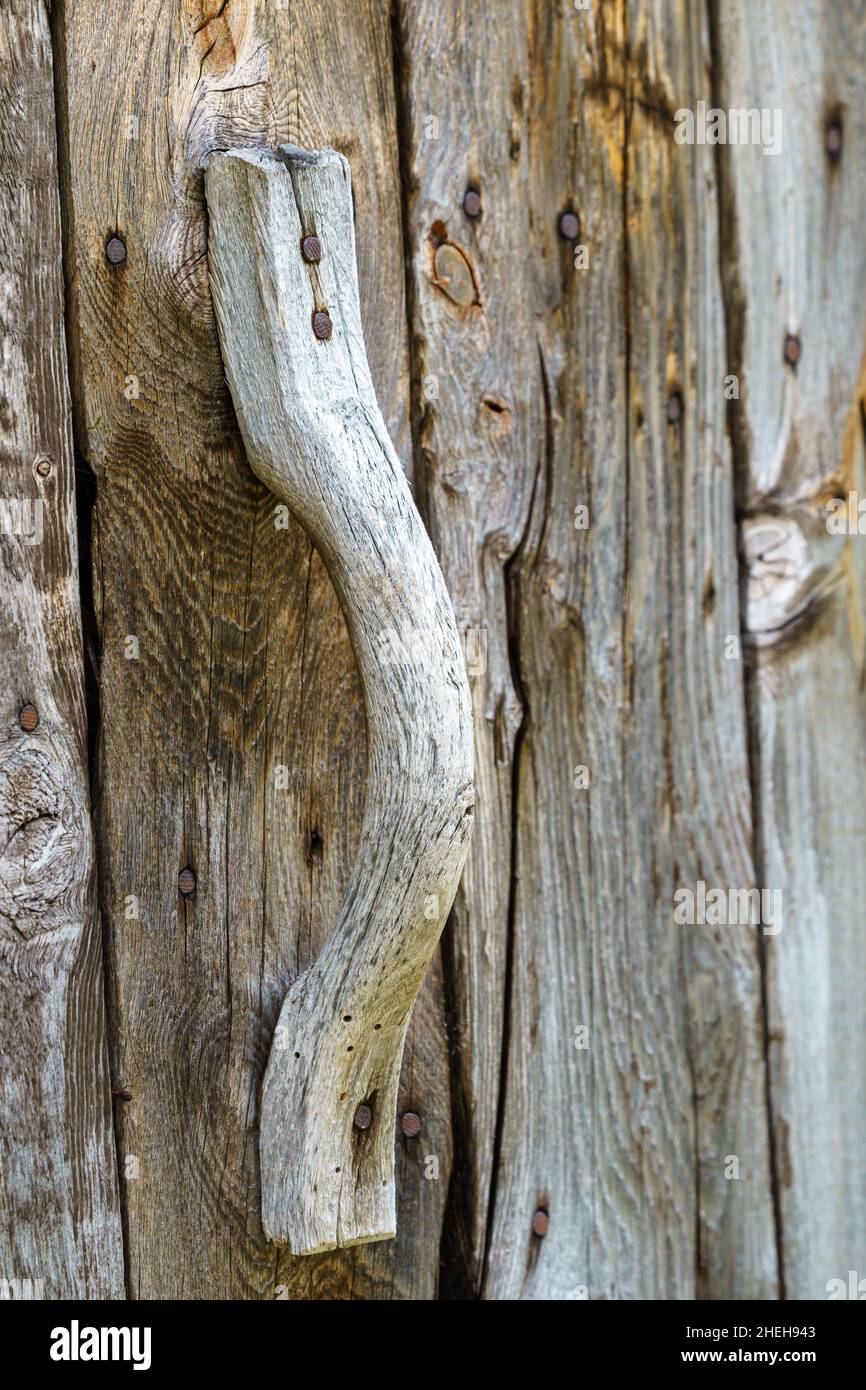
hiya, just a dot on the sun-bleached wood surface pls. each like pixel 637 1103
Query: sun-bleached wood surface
pixel 234 741
pixel 584 1071
pixel 59 1212
pixel 632 1078
pixel 795 270
pixel 314 434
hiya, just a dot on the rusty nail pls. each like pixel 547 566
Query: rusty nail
pixel 186 883
pixel 472 202
pixel 121 1095
pixel 833 140
pixel 322 326
pixel 28 718
pixel 410 1124
pixel 311 249
pixel 363 1117
pixel 792 349
pixel 42 466
pixel 569 226
pixel 675 407
pixel 115 250
pixel 540 1222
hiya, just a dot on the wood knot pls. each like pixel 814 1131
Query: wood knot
pixel 791 564
pixel 453 275
pixel 220 99
pixel 218 28
pixel 45 850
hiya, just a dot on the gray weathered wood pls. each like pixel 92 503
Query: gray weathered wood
pixel 795 264
pixel 59 1213
pixel 314 434
pixel 331 85
pixel 538 388
pixel 235 740
pixel 478 421
pixel 621 1133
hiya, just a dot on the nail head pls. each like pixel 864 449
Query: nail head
pixel 115 250
pixel 472 202
pixel 569 226
pixel 186 883
pixel 363 1117
pixel 28 718
pixel 322 326
pixel 792 349
pixel 410 1124
pixel 311 249
pixel 540 1222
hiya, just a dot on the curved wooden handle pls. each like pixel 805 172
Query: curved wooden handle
pixel 314 434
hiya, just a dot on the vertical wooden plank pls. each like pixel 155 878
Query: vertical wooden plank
pixel 796 269
pixel 478 394
pixel 687 676
pixel 232 735
pixel 59 1214
pixel 632 776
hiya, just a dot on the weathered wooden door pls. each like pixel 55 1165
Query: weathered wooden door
pixel 618 343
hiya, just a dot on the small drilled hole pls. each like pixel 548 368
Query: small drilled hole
pixel 833 139
pixel 297 1054
pixel 350 1048
pixel 347 1018
pixel 337 1170
pixel 376 1027
pixel 344 1095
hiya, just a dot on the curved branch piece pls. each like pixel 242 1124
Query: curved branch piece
pixel 314 434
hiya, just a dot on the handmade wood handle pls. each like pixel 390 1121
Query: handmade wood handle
pixel 314 434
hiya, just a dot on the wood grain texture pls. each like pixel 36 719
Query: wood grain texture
pixel 314 434
pixel 478 397
pixel 617 731
pixel 331 85
pixel 242 708
pixel 795 264
pixel 632 773
pixel 59 1210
